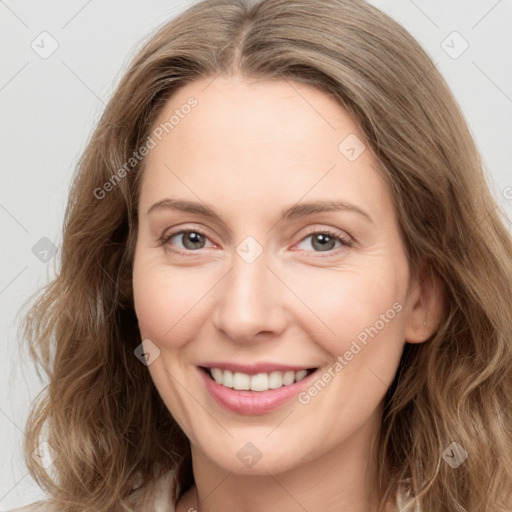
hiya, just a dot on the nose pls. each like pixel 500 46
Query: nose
pixel 251 305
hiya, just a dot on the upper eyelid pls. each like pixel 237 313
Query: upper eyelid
pixel 172 234
pixel 343 237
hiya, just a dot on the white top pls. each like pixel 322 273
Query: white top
pixel 162 499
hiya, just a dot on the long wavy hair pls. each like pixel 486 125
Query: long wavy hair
pixel 101 411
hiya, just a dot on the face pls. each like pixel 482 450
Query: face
pixel 268 247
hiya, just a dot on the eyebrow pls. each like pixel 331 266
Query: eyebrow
pixel 294 212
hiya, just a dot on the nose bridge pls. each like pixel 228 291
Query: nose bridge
pixel 250 302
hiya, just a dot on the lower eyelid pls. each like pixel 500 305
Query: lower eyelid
pixel 344 241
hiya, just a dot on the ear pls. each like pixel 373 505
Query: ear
pixel 427 302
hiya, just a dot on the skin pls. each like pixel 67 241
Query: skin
pixel 249 150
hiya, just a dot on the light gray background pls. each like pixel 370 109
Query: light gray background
pixel 49 107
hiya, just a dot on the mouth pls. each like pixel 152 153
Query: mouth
pixel 258 382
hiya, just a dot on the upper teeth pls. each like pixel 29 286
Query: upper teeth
pixel 258 382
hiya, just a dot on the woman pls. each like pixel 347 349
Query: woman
pixel 284 282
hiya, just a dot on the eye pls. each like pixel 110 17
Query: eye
pixel 324 241
pixel 191 240
pixel 187 240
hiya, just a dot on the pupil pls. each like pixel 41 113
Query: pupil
pixel 193 240
pixel 325 241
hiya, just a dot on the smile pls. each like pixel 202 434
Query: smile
pixel 254 391
pixel 258 382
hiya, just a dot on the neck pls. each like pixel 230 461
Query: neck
pixel 342 478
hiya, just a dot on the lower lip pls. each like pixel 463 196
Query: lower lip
pixel 252 403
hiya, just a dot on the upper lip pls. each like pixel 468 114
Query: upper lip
pixel 255 368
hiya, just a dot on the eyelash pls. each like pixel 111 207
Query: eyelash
pixel 345 241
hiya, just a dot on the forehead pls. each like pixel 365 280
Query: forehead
pixel 260 143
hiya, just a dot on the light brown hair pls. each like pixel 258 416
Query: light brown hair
pixel 104 415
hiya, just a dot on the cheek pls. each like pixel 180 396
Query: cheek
pixel 349 304
pixel 167 302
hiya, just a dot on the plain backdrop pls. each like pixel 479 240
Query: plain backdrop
pixel 50 103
